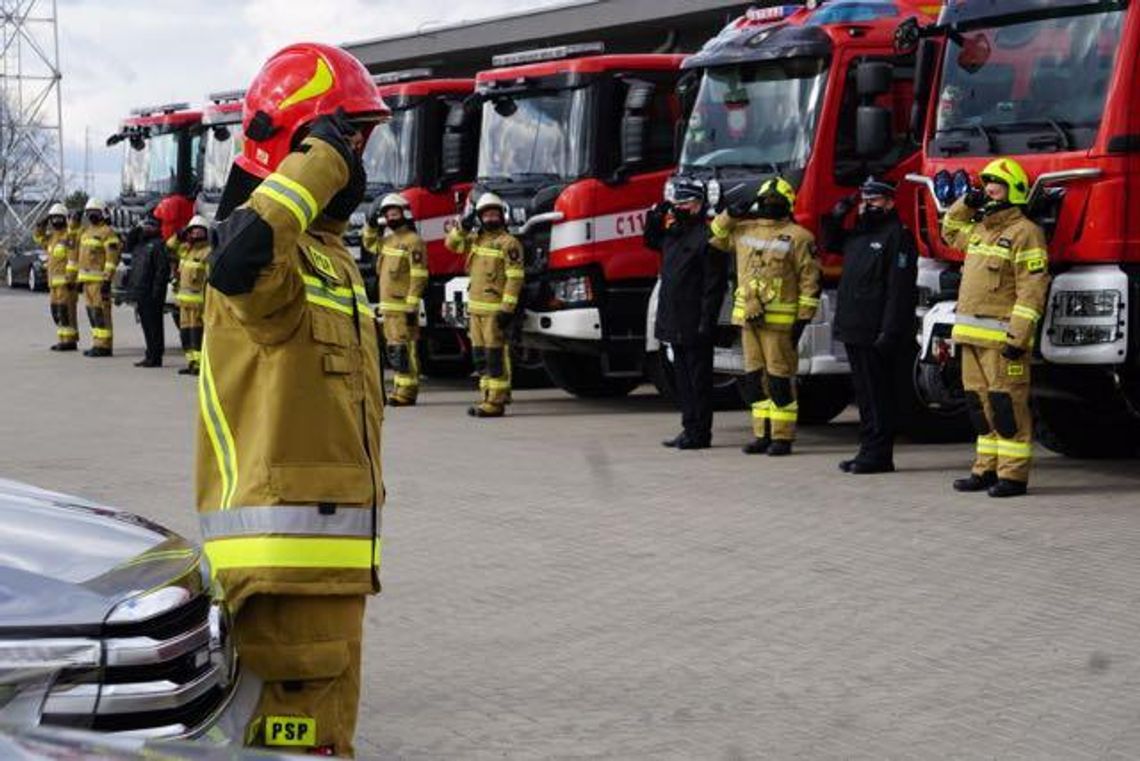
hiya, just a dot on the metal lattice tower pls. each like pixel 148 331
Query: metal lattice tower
pixel 31 124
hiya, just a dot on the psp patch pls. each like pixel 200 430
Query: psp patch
pixel 290 731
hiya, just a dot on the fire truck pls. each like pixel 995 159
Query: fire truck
pixel 1052 85
pixel 221 144
pixel 821 95
pixel 427 152
pixel 579 145
pixel 159 167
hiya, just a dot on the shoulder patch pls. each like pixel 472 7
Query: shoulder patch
pixel 1005 242
pixel 322 263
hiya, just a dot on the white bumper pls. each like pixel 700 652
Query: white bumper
pixel 583 324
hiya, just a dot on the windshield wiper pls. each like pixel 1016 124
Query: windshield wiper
pixel 494 178
pixel 981 130
pixel 1067 142
pixel 535 175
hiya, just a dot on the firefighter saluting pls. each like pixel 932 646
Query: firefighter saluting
pixel 58 241
pixel 777 294
pixel 99 252
pixel 1005 280
pixel 289 485
pixel 402 265
pixel 495 264
pixel 192 252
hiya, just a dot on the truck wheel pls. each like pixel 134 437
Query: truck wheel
pixel 581 375
pixel 1075 430
pixel 823 397
pixel 528 369
pixel 926 413
pixel 659 368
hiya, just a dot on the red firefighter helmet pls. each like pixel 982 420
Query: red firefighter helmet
pixel 294 87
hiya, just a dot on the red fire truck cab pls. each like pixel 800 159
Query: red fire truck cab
pixel 426 152
pixel 579 145
pixel 221 144
pixel 822 95
pixel 1052 85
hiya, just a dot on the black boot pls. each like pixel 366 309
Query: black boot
pixel 97 351
pixel 149 363
pixel 846 465
pixel 673 442
pixel 64 347
pixel 1006 487
pixel 780 448
pixel 691 442
pixel 757 446
pixel 975 482
pixel 860 468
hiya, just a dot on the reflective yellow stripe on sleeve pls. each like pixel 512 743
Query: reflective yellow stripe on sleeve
pixel 493 253
pixel 420 272
pixel 510 300
pixel 292 195
pixel 1028 313
pixel 516 273
pixel 808 301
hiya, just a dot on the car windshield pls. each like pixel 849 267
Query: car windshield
pixel 135 162
pixel 162 163
pixel 756 115
pixel 223 144
pixel 535 135
pixel 391 154
pixel 1043 83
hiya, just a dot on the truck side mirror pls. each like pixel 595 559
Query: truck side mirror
pixel 874 78
pixel 635 124
pixel 925 61
pixel 872 131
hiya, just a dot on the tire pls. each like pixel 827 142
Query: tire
pixel 9 276
pixel 528 369
pixel 921 420
pixel 581 375
pixel 823 397
pixel 33 282
pixel 659 368
pixel 1076 430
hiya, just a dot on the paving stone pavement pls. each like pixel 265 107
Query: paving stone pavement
pixel 558 586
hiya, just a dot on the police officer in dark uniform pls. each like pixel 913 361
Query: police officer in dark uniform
pixel 875 316
pixel 150 274
pixel 688 303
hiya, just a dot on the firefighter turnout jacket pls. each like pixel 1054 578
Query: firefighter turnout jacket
pixel 289 485
pixel 192 269
pixel 1005 278
pixel 401 263
pixel 62 253
pixel 99 252
pixel 495 265
pixel 777 272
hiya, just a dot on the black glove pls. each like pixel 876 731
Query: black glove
pixel 883 344
pixel 739 199
pixel 843 207
pixel 470 221
pixel 1012 353
pixel 798 328
pixel 105 289
pixel 337 131
pixel 412 318
pixel 975 198
pixel 374 218
pixel 505 319
pixel 662 208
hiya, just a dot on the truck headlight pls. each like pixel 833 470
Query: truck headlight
pixel 670 190
pixel 1087 304
pixel 573 290
pixel 1086 335
pixel 713 193
pixel 356 219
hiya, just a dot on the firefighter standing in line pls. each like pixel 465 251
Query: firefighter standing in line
pixel 1005 280
pixel 289 486
pixel 777 295
pixel 55 238
pixel 401 261
pixel 99 251
pixel 191 293
pixel 875 315
pixel 495 264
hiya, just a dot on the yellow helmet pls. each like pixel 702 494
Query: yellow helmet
pixel 780 187
pixel 1011 174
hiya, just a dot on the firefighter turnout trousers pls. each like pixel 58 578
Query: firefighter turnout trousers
pixel 190 329
pixel 97 297
pixel 400 341
pixel 306 651
pixel 770 364
pixel 62 270
pixel 492 356
pixel 64 299
pixel 997 397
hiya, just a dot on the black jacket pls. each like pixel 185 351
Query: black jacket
pixel 877 292
pixel 150 270
pixel 692 279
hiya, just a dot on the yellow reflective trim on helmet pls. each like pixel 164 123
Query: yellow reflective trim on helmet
pixel 321 82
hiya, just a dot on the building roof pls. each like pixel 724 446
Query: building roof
pixel 626 26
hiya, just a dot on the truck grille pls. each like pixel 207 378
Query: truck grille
pixel 163 677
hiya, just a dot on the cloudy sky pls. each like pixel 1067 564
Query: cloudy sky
pixel 119 54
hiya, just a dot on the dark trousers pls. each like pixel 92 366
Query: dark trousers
pixel 873 375
pixel 150 316
pixel 693 368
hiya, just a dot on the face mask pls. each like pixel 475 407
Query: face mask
pixel 59 224
pixel 396 224
pixel 993 207
pixel 773 210
pixel 683 215
pixel 95 218
pixel 874 213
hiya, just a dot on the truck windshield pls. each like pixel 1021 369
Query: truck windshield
pixel 135 162
pixel 1038 86
pixel 162 163
pixel 756 115
pixel 540 134
pixel 391 154
pixel 223 144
